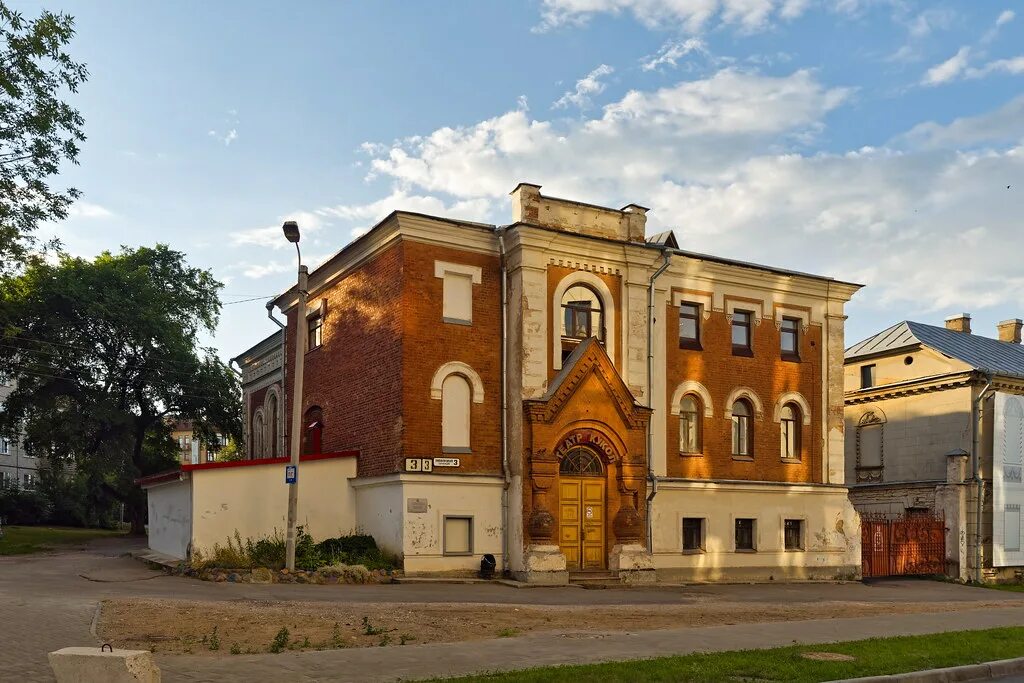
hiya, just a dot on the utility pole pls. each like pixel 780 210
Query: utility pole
pixel 291 232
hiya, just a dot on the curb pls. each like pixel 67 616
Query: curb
pixel 968 672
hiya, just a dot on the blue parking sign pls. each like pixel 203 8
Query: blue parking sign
pixel 291 473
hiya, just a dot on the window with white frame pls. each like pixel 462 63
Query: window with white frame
pixel 458 535
pixel 456 401
pixel 690 414
pixel 457 291
pixel 5 446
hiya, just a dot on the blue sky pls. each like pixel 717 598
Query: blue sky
pixel 869 140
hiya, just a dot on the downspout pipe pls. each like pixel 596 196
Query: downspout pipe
pixel 651 476
pixel 977 410
pixel 282 426
pixel 500 232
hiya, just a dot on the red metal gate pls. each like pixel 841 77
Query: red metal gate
pixel 903 546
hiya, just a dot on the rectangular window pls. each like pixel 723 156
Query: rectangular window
pixel 741 333
pixel 1011 528
pixel 5 447
pixel 693 533
pixel 790 340
pixel 745 534
pixel 793 533
pixel 867 376
pixel 458 298
pixel 30 480
pixel 315 330
pixel 689 326
pixel 458 535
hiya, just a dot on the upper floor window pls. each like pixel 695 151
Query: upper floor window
pixel 790 432
pixel 790 338
pixel 273 419
pixel 741 332
pixel 457 290
pixel 582 314
pixel 690 412
pixel 689 326
pixel 29 480
pixel 315 331
pixel 742 428
pixel 5 446
pixel 456 398
pixel 867 376
pixel 313 431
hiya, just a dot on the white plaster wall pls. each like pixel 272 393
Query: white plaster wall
pixel 831 531
pixel 379 506
pixel 170 517
pixel 253 499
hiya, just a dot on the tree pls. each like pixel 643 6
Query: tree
pixel 38 131
pixel 101 351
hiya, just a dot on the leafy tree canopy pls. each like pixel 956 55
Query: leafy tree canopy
pixel 38 130
pixel 102 351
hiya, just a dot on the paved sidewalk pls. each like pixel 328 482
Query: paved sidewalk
pixel 425 661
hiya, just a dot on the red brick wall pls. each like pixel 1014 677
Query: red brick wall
pixel 430 343
pixel 768 376
pixel 356 374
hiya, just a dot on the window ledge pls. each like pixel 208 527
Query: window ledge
pixel 690 345
pixel 684 454
pixel 457 321
pixel 454 449
pixel 791 461
pixel 790 358
pixel 469 554
pixel 745 550
pixel 795 550
pixel 695 551
pixel 743 458
pixel 742 351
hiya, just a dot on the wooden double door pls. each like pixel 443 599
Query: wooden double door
pixel 581 522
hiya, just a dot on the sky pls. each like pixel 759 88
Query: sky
pixel 874 141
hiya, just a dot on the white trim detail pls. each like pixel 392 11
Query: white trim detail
pixel 457 368
pixel 732 305
pixel 705 301
pixel 792 397
pixel 474 272
pixel 747 393
pixel 692 387
pixel 601 289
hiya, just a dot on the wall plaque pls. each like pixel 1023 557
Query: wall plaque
pixel 416 505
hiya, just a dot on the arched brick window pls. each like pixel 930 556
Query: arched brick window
pixel 691 414
pixel 272 422
pixel 313 431
pixel 742 428
pixel 789 431
pixel 456 397
pixel 257 435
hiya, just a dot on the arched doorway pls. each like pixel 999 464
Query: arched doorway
pixel 581 508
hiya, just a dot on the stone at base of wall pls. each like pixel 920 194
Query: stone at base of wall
pixel 758 574
pixel 544 564
pixel 90 665
pixel 633 564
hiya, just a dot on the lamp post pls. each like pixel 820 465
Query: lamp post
pixel 291 233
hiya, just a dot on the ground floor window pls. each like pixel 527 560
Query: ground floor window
pixel 458 535
pixel 693 533
pixel 745 534
pixel 793 534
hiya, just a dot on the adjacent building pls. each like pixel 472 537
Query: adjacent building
pixel 17 467
pixel 190 449
pixel 935 425
pixel 563 393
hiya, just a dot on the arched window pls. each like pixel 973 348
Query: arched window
pixel 456 396
pixel 582 314
pixel 742 428
pixel 790 431
pixel 690 413
pixel 313 431
pixel 272 422
pixel 256 435
pixel 581 462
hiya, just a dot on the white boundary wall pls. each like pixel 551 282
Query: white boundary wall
pixel 170 517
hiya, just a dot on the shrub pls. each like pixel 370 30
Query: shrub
pixel 348 573
pixel 356 549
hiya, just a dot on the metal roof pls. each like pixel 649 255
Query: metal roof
pixel 981 353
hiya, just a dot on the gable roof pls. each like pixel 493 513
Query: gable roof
pixel 981 353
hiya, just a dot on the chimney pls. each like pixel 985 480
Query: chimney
pixel 1009 330
pixel 636 222
pixel 526 203
pixel 959 323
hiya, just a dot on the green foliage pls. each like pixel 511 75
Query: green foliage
pixel 236 649
pixel 22 540
pixel 357 549
pixel 39 130
pixel 214 643
pixel 23 506
pixel 101 351
pixel 280 641
pixel 230 452
pixel 353 564
pixel 371 630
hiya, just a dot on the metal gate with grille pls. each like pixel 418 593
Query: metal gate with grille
pixel 907 545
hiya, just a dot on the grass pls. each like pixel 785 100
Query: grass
pixel 1012 587
pixel 877 656
pixel 22 540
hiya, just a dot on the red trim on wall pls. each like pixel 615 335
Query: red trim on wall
pixel 267 461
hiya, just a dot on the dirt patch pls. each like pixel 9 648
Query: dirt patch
pixel 827 656
pixel 255 626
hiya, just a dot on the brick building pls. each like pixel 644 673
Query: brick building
pixel 509 392
pixel 190 449
pixel 262 399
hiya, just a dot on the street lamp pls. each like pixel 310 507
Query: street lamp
pixel 291 233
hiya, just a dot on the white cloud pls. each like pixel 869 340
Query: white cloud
pixel 88 210
pixel 226 138
pixel 1005 17
pixel 256 271
pixel 271 235
pixel 949 69
pixel 930 20
pixel 1004 125
pixel 1013 66
pixel 671 52
pixel 399 200
pixel 585 87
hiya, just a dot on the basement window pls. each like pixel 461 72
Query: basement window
pixel 458 535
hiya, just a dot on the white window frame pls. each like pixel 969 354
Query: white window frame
pixel 444 536
pixel 444 269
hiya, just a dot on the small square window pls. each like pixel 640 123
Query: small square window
pixel 689 326
pixel 793 532
pixel 315 331
pixel 693 533
pixel 790 338
pixel 458 535
pixel 745 534
pixel 867 376
pixel 741 345
pixel 5 447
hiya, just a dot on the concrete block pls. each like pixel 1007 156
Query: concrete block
pixel 91 665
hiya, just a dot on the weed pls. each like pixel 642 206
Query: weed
pixel 236 649
pixel 508 632
pixel 405 638
pixel 371 630
pixel 280 641
pixel 214 640
pixel 305 642
pixel 336 639
pixel 384 640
